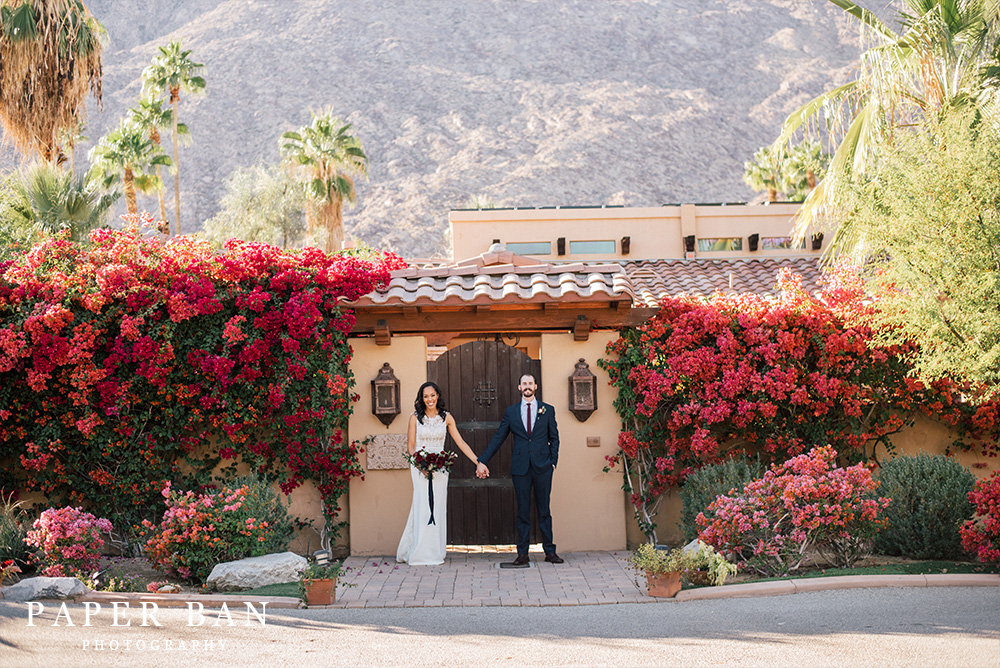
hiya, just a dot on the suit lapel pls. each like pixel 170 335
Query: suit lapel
pixel 517 423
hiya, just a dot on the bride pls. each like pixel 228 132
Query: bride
pixel 423 543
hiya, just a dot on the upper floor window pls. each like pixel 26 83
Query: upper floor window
pixel 592 247
pixel 530 247
pixel 721 244
pixel 780 243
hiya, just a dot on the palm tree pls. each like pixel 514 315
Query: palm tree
pixel 947 55
pixel 150 116
pixel 764 172
pixel 173 71
pixel 48 199
pixel 804 167
pixel 126 154
pixel 50 57
pixel 330 157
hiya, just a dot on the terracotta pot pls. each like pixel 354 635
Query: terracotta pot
pixel 321 592
pixel 698 577
pixel 665 585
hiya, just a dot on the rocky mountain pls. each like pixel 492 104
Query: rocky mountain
pixel 530 102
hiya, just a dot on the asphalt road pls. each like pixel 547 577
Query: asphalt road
pixel 934 627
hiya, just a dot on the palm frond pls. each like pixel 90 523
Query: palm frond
pixel 51 55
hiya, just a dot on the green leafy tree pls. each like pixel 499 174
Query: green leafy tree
pixel 16 234
pixel 931 218
pixel 149 115
pixel 50 59
pixel 946 55
pixel 173 72
pixel 127 154
pixel 46 200
pixel 262 203
pixel 329 157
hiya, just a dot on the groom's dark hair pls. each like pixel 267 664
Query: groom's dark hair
pixel 418 404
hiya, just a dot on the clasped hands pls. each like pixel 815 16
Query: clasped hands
pixel 482 471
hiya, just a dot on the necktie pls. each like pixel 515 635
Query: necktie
pixel 529 419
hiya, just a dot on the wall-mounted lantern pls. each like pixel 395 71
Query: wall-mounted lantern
pixel 561 246
pixel 626 245
pixel 385 395
pixel 689 243
pixel 582 391
pixel 817 241
pixel 753 241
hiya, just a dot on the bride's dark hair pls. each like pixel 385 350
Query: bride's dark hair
pixel 418 404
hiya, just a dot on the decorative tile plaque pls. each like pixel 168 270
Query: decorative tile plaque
pixel 386 452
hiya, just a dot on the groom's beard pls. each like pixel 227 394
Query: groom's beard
pixel 527 394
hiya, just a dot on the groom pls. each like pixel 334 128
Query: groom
pixel 536 451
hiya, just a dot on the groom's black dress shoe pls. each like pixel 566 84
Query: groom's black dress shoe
pixel 554 558
pixel 520 562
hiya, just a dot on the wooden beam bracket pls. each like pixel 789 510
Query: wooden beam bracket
pixel 581 328
pixel 383 337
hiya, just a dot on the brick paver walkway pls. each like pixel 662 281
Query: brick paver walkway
pixel 475 579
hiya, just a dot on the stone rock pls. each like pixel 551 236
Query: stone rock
pixel 256 572
pixel 694 546
pixel 33 589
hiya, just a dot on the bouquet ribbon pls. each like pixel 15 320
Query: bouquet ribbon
pixel 430 495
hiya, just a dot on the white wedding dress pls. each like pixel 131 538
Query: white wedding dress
pixel 424 544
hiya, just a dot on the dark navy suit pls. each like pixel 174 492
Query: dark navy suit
pixel 532 462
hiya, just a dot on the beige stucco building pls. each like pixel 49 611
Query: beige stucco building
pixel 683 231
pixel 551 294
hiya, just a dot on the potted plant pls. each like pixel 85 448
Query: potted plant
pixel 662 568
pixel 705 566
pixel 318 583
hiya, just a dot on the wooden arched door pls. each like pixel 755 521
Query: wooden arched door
pixel 478 382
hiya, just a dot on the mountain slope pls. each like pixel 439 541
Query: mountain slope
pixel 531 102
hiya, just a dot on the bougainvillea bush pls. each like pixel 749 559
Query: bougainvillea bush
pixel 200 530
pixel 705 378
pixel 122 357
pixel 981 534
pixel 806 502
pixel 69 541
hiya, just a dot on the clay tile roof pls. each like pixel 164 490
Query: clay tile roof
pixel 501 276
pixel 654 279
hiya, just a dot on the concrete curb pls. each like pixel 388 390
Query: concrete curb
pixel 785 587
pixel 748 590
pixel 181 600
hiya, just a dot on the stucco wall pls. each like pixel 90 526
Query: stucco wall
pixel 654 232
pixel 587 504
pixel 379 504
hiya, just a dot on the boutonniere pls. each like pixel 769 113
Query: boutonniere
pixel 541 410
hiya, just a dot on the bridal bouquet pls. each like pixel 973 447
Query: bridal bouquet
pixel 429 462
pixel 432 461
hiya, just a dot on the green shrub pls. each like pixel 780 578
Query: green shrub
pixel 246 518
pixel 701 487
pixel 115 579
pixel 930 501
pixel 14 525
